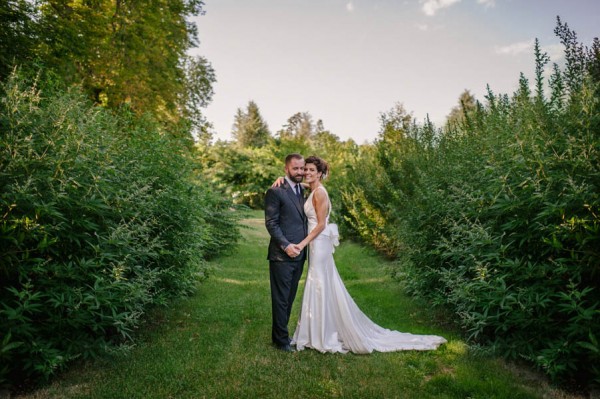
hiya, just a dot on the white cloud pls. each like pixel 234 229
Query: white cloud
pixel 556 52
pixel 487 3
pixel 349 7
pixel 422 27
pixel 516 48
pixel 430 7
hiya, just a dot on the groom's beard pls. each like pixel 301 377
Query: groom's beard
pixel 296 178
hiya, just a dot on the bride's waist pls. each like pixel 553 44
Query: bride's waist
pixel 330 234
pixel 327 231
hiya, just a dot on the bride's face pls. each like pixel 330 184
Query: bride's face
pixel 310 173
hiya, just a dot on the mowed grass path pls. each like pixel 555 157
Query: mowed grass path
pixel 216 344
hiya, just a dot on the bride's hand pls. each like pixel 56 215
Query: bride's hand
pixel 278 182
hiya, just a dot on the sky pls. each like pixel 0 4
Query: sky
pixel 346 62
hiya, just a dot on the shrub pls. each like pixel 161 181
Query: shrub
pixel 498 215
pixel 100 219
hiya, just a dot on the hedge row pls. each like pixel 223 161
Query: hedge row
pixel 100 218
pixel 497 216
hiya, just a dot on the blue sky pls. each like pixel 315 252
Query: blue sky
pixel 347 61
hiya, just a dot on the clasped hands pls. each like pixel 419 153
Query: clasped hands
pixel 293 250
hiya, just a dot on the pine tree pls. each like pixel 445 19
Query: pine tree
pixel 249 128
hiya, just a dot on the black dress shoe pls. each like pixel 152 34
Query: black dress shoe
pixel 285 348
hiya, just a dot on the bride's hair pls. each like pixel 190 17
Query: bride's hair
pixel 321 164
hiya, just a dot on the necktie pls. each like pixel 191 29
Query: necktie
pixel 298 191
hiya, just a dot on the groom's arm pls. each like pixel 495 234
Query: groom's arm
pixel 272 207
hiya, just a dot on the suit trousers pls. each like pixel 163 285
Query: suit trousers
pixel 284 276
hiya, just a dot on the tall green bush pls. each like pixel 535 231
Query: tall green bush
pixel 497 216
pixel 100 219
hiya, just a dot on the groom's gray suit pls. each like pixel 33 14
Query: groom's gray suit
pixel 286 223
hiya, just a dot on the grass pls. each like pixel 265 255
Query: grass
pixel 216 344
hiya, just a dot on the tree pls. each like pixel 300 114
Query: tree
pixel 466 105
pixel 17 34
pixel 300 126
pixel 120 52
pixel 249 128
pixel 125 52
pixel 200 77
pixel 397 140
pixel 394 124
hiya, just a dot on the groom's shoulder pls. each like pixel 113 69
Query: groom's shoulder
pixel 275 191
pixel 280 189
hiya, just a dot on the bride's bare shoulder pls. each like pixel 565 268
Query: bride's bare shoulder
pixel 322 189
pixel 320 193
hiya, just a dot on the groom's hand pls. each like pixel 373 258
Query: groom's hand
pixel 292 250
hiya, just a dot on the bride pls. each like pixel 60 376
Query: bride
pixel 330 320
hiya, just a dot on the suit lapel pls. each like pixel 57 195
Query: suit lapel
pixel 298 204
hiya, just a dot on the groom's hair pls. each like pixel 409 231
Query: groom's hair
pixel 295 155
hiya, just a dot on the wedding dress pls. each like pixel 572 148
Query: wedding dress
pixel 330 320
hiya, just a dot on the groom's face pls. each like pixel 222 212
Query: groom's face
pixel 295 170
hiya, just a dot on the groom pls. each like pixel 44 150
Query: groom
pixel 286 223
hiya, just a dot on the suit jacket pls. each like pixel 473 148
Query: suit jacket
pixel 285 221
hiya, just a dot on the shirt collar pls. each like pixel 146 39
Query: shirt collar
pixel 291 183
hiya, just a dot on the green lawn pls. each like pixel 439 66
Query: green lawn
pixel 216 344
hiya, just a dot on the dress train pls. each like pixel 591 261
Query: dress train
pixel 330 320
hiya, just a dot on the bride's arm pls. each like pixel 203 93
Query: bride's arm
pixel 280 181
pixel 321 207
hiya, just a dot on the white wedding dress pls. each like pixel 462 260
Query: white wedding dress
pixel 330 320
